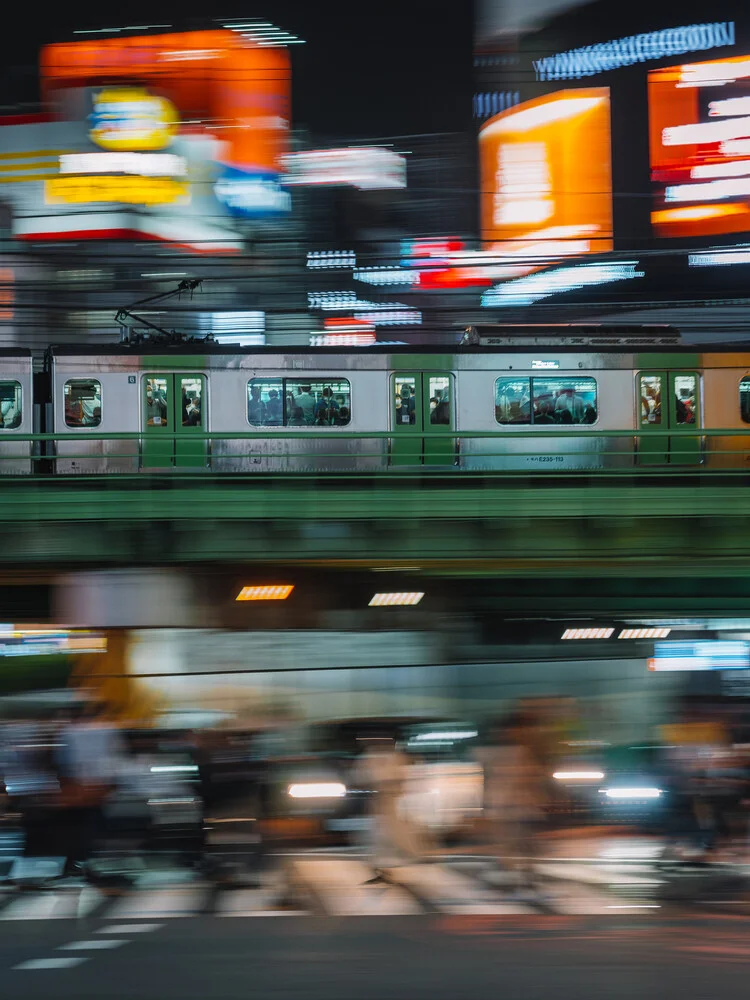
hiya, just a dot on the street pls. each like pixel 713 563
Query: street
pixel 433 956
pixel 314 925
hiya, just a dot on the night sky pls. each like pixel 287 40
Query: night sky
pixel 367 70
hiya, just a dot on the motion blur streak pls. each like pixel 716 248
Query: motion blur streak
pixel 383 600
pixel 322 790
pixel 278 593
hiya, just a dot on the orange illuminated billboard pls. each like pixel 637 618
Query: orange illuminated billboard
pixel 546 175
pixel 699 139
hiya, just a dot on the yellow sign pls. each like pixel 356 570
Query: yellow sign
pixel 131 118
pixel 125 190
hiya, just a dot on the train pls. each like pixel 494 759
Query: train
pixel 504 399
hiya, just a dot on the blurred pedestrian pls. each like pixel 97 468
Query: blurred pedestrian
pixel 515 796
pixel 89 759
pixel 394 838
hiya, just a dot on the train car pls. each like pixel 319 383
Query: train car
pixel 17 412
pixel 525 398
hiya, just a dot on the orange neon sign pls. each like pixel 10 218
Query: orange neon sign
pixel 546 175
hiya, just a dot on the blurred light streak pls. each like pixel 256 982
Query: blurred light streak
pixel 318 790
pixel 409 598
pixel 266 593
pixel 556 109
pixel 644 633
pixel 527 290
pixel 587 633
pixel 604 56
pixel 696 213
pixel 578 775
pixel 714 258
pixel 646 792
pixel 457 734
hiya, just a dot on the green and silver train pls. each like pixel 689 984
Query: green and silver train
pixel 550 398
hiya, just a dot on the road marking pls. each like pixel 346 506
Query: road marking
pixel 49 963
pixel 184 902
pixel 129 928
pixel 341 886
pixel 100 944
pixel 594 876
pixel 244 902
pixel 450 892
pixel 50 905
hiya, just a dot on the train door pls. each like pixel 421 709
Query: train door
pixel 173 404
pixel 422 402
pixel 668 401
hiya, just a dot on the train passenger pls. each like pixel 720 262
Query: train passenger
pixel 406 404
pixel 193 413
pixel 156 409
pixel 685 408
pixel 544 414
pixel 442 412
pixel 274 415
pixel 326 408
pixel 256 408
pixel 298 417
pixel 568 399
pixel 305 401
pixel 343 416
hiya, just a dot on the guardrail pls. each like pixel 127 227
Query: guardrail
pixel 512 444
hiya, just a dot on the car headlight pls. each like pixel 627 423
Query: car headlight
pixel 317 790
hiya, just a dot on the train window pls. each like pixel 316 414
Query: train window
pixel 561 400
pixel 684 396
pixel 293 402
pixel 83 402
pixel 324 402
pixel 651 389
pixel 191 390
pixel 157 402
pixel 745 399
pixel 564 400
pixel 265 402
pixel 440 399
pixel 513 400
pixel 405 400
pixel 10 405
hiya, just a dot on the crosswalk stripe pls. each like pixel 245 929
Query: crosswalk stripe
pixel 593 875
pixel 340 886
pixel 49 905
pixel 450 892
pixel 163 903
pixel 244 902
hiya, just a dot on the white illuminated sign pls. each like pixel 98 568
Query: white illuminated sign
pixel 368 168
pixel 593 59
pixel 525 291
pixel 718 258
pixel 738 187
pixel 386 276
pixel 538 363
pixel 327 259
pixel 253 195
pixel 141 164
pixel 700 132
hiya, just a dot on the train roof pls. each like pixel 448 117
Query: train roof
pixel 483 339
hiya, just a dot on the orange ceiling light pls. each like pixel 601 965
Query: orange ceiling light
pixel 278 592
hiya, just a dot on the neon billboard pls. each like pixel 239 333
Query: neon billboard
pixel 546 177
pixel 169 137
pixel 699 140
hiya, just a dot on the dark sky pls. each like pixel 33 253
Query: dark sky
pixel 368 69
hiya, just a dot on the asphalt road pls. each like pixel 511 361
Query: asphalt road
pixel 372 958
